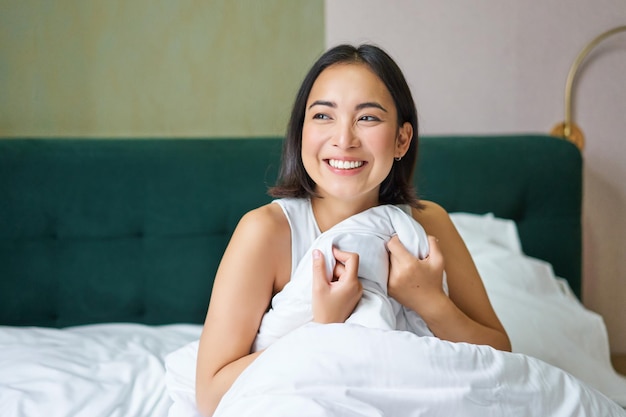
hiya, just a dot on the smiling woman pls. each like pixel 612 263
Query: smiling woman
pixel 351 146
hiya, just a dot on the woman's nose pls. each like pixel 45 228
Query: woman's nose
pixel 345 136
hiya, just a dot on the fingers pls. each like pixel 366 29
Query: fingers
pixel 435 256
pixel 345 257
pixel 339 270
pixel 320 280
pixel 348 264
pixel 346 267
pixel 396 247
pixel 334 298
pixel 433 241
pixel 398 250
pixel 413 280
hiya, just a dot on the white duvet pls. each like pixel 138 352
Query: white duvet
pixel 354 371
pixel 135 370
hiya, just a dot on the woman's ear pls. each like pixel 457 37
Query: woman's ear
pixel 405 135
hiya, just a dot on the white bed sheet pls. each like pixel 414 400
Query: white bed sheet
pixel 106 370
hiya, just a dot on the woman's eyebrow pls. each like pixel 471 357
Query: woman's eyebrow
pixel 370 104
pixel 323 103
pixel 361 106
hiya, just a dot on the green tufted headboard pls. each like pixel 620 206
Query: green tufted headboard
pixel 100 230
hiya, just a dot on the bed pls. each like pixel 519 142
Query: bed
pixel 108 249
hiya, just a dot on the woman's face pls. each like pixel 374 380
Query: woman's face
pixel 350 134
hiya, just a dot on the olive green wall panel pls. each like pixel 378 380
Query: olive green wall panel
pixel 112 68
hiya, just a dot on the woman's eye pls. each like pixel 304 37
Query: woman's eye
pixel 369 118
pixel 321 116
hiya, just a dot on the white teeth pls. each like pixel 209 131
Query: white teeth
pixel 335 163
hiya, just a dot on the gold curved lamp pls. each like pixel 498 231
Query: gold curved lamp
pixel 568 129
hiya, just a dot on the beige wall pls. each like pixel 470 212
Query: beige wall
pixel 499 66
pixel 153 67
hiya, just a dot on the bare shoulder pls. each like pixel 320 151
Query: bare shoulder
pixel 434 219
pixel 437 222
pixel 268 220
pixel 264 236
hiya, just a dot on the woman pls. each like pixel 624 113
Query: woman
pixel 351 145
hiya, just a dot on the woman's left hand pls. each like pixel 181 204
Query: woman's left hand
pixel 415 282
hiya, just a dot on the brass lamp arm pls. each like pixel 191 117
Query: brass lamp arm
pixel 568 128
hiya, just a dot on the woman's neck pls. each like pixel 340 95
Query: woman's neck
pixel 328 211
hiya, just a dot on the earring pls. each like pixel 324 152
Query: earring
pixel 397 158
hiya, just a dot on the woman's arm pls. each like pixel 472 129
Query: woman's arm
pixel 256 259
pixel 466 315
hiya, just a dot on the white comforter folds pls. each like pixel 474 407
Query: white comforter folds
pixel 350 370
pixel 365 233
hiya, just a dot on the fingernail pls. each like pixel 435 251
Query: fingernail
pixel 317 254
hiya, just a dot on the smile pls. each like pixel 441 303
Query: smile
pixel 337 164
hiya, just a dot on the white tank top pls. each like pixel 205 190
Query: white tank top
pixel 304 228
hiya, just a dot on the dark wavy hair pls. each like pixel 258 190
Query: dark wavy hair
pixel 397 188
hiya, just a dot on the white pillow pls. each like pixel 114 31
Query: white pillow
pixel 487 229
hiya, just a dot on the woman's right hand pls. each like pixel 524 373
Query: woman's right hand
pixel 335 299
